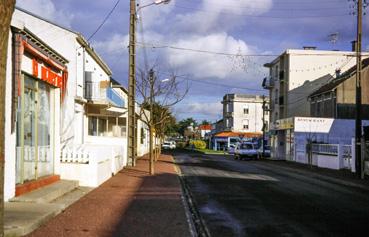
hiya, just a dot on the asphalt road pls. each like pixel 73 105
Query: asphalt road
pixel 260 198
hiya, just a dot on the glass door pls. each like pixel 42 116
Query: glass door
pixel 33 151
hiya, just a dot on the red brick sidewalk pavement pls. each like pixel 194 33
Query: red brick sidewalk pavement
pixel 132 203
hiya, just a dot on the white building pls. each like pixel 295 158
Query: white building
pixel 290 83
pixel 244 113
pixel 65 117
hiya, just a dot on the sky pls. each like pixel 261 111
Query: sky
pixel 235 37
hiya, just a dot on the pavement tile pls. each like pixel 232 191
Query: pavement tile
pixel 132 203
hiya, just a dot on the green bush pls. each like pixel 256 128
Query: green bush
pixel 181 144
pixel 199 144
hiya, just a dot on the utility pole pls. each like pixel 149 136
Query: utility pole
pixel 358 132
pixel 132 85
pixel 264 107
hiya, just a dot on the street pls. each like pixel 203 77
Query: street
pixel 266 198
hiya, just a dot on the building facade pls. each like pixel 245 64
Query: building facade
pixel 65 116
pixel 287 75
pixel 244 113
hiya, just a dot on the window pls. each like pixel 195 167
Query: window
pixel 245 110
pixel 92 126
pixel 102 127
pixel 142 135
pixel 245 123
pixel 106 126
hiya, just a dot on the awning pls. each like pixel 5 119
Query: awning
pixel 113 111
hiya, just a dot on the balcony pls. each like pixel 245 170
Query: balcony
pixel 281 75
pixel 281 101
pixel 268 83
pixel 97 92
pixel 114 97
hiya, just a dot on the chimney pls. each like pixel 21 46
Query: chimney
pixel 353 46
pixel 309 48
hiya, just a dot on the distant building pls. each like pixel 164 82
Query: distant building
pixel 244 113
pixel 204 130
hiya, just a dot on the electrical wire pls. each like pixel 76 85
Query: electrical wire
pixel 103 22
pixel 154 46
pixel 260 16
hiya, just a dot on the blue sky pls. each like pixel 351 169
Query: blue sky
pixel 261 27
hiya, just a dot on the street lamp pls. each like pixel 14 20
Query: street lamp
pixel 132 77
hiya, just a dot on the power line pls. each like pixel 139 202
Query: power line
pixel 260 16
pixel 103 22
pixel 278 9
pixel 157 46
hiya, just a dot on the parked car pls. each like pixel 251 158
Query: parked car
pixel 231 148
pixel 168 145
pixel 266 151
pixel 246 150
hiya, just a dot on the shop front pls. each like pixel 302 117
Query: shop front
pixel 39 80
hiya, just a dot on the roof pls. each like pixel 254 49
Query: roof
pixel 44 19
pixel 205 127
pixel 337 81
pixel 80 39
pixel 84 43
pixel 238 134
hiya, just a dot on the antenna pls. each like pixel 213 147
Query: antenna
pixel 333 38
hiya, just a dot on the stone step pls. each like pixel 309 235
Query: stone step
pixel 71 197
pixel 48 193
pixel 21 218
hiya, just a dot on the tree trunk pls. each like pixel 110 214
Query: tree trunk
pixel 151 154
pixel 6 11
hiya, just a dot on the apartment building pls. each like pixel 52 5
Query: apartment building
pixel 244 113
pixel 293 76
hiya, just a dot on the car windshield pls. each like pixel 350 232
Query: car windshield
pixel 246 146
pixel 166 143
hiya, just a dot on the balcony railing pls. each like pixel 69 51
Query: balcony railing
pixel 94 92
pixel 268 83
pixel 114 97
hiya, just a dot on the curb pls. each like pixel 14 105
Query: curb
pixel 196 223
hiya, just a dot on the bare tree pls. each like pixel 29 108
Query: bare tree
pixel 6 12
pixel 156 92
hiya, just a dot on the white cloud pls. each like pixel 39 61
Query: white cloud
pixel 114 44
pixel 47 9
pixel 224 14
pixel 210 109
pixel 203 65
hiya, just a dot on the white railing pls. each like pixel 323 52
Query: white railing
pixel 327 149
pixel 347 151
pixel 91 164
pixel 75 155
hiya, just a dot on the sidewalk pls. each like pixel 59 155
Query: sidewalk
pixel 132 203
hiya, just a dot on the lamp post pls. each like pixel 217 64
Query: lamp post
pixel 132 78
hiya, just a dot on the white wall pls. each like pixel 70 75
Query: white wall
pixel 10 138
